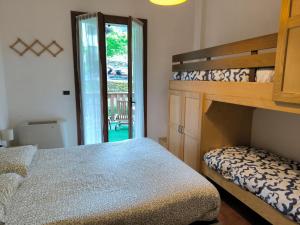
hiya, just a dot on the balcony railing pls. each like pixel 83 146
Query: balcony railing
pixel 117 105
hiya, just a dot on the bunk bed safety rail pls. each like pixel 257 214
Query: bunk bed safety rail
pixel 252 53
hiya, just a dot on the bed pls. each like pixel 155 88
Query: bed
pixel 130 182
pixel 233 79
pixel 270 177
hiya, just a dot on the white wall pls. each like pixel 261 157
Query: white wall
pixel 35 84
pixel 198 23
pixel 277 131
pixel 231 20
pixel 3 98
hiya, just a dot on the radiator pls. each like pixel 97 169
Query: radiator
pixel 44 134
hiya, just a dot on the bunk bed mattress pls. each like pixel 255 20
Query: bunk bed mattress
pixel 130 182
pixel 274 179
pixel 263 75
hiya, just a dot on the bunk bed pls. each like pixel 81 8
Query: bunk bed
pixel 227 80
pixel 253 54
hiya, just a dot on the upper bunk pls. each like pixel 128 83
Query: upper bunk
pixel 247 65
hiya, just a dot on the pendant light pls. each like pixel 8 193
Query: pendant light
pixel 168 2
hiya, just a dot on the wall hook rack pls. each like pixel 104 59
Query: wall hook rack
pixel 36 47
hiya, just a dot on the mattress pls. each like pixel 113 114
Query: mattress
pixel 130 182
pixel 264 75
pixel 274 179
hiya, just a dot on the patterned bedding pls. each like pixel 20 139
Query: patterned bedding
pixel 233 75
pixel 264 75
pixel 130 182
pixel 274 179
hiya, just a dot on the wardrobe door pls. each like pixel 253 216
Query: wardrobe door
pixel 175 118
pixel 287 79
pixel 192 127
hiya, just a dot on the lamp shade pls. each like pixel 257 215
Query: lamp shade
pixel 168 2
pixel 7 135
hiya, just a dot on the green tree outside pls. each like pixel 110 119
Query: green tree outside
pixel 117 43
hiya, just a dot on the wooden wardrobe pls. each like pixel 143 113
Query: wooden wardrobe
pixel 185 116
pixel 287 78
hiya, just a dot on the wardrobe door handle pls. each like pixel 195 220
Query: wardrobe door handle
pixel 180 129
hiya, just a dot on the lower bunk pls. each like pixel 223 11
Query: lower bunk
pixel 266 183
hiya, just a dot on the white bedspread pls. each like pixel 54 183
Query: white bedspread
pixel 131 182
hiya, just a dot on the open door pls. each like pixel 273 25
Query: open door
pixel 110 77
pixel 103 77
pixel 89 77
pixel 137 79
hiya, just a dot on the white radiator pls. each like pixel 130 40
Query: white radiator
pixel 44 134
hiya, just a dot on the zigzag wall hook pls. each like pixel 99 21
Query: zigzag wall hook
pixel 25 47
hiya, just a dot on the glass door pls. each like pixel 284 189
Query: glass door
pixel 89 76
pixel 116 37
pixel 137 79
pixel 110 84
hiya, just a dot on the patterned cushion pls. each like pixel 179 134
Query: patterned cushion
pixel 16 160
pixel 274 179
pixel 229 75
pixel 8 185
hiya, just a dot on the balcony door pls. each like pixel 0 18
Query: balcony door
pixel 110 77
pixel 137 97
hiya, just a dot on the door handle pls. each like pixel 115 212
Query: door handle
pixel 180 129
pixel 131 102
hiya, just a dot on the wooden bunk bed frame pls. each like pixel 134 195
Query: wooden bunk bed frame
pixel 227 107
pixel 259 52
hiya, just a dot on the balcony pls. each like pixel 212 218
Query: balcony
pixel 118 116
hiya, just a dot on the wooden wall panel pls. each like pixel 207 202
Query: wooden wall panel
pixel 225 124
pixel 192 153
pixel 192 128
pixel 192 117
pixel 287 79
pixel 175 106
pixel 175 118
pixel 291 82
pixel 295 10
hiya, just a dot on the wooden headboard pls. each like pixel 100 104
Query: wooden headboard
pixel 242 54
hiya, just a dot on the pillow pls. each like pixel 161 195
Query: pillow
pixel 9 184
pixel 265 75
pixel 17 159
